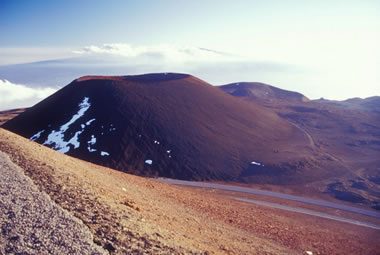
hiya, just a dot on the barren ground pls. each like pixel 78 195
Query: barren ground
pixel 32 223
pixel 9 114
pixel 126 213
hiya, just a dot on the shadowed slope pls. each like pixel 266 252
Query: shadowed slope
pixel 171 125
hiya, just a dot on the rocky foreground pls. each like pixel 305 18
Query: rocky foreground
pixel 32 223
pixel 52 203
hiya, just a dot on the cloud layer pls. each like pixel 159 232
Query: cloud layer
pixel 166 52
pixel 17 96
pixel 214 66
pixel 283 64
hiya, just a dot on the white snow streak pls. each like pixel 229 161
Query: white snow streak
pixel 89 122
pixel 104 153
pixel 256 163
pixel 91 142
pixel 56 138
pixel 36 135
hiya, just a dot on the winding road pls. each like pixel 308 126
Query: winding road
pixel 309 212
pixel 305 200
pixel 307 134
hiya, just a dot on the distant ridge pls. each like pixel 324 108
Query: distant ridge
pixel 262 92
pixel 346 131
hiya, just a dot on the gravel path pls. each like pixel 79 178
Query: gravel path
pixel 310 212
pixel 305 200
pixel 31 223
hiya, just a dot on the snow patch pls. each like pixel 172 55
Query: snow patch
pixel 168 151
pixel 104 153
pixel 112 127
pixel 256 163
pixel 37 135
pixel 156 142
pixel 90 121
pixel 56 138
pixel 74 140
pixel 309 252
pixel 91 142
pixel 148 161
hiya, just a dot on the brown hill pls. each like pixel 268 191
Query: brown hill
pixel 371 104
pixel 348 131
pixel 173 125
pixel 262 92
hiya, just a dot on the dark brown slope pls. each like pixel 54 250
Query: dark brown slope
pixel 186 127
pixel 348 131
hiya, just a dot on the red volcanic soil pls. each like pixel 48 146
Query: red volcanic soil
pixel 174 125
pixel 129 214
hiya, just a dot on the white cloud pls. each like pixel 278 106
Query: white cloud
pixel 17 95
pixel 337 68
pixel 164 52
pixel 19 55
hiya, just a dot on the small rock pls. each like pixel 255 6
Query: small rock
pixel 109 247
pixel 14 238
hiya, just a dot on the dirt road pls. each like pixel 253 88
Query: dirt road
pixel 305 200
pixel 310 212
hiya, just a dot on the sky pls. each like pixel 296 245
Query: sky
pixel 319 48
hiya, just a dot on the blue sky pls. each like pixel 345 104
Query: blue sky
pixel 320 48
pixel 83 22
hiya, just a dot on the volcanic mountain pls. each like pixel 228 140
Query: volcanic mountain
pixel 348 131
pixel 173 125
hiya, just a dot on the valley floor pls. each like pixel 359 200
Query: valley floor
pixel 129 214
